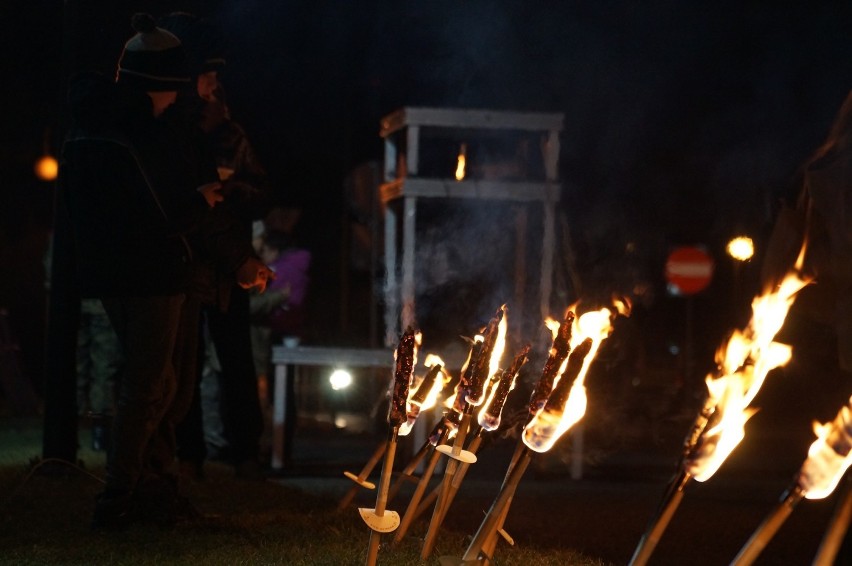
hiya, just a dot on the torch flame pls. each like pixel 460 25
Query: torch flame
pixel 425 395
pixel 499 345
pixel 553 325
pixel 829 456
pixel 549 423
pixel 460 166
pixel 744 362
pixel 432 397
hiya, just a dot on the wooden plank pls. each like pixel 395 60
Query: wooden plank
pixel 320 356
pixel 519 191
pixel 470 118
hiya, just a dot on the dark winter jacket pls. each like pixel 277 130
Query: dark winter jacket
pixel 129 183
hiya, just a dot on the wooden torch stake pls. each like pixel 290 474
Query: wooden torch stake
pixel 381 496
pixel 837 527
pixel 365 473
pixel 410 512
pixel 658 525
pixel 443 494
pixel 507 492
pixel 407 473
pixel 456 482
pixel 764 533
pixel 491 542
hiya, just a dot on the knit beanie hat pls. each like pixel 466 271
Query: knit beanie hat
pixel 153 60
pixel 202 40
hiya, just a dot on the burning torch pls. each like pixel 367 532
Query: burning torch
pixel 423 399
pixel 489 418
pixel 828 459
pixel 377 518
pixel 744 362
pixel 561 407
pixel 470 394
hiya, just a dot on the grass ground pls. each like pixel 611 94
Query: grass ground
pixel 45 507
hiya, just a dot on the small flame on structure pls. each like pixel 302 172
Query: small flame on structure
pixel 744 362
pixel 545 428
pixel 460 165
pixel 828 457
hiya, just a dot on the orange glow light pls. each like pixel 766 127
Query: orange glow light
pixel 46 168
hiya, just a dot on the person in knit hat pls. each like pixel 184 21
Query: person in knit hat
pixel 153 60
pixel 133 198
pixel 233 387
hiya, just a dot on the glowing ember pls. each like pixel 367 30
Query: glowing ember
pixel 460 166
pixel 555 361
pixel 744 362
pixel 566 404
pixel 829 456
pixel 404 370
pixel 465 377
pixel 487 360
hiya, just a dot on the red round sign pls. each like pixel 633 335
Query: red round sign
pixel 689 270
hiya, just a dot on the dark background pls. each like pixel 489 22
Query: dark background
pixel 684 124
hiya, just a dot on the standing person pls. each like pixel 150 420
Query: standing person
pixel 281 314
pixel 98 362
pixel 134 200
pixel 822 219
pixel 227 316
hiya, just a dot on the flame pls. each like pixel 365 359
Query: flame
pixel 499 346
pixel 451 400
pixel 553 325
pixel 432 359
pixel 829 456
pixel 744 362
pixel 424 400
pixel 491 390
pixel 622 305
pixel 460 166
pixel 438 384
pixel 545 428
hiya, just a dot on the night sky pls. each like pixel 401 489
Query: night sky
pixel 685 122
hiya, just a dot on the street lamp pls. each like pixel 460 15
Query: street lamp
pixel 740 248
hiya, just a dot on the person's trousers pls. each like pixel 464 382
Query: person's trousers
pixel 155 385
pixel 239 403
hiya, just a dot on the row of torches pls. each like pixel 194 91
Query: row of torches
pixel 558 402
pixel 475 408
